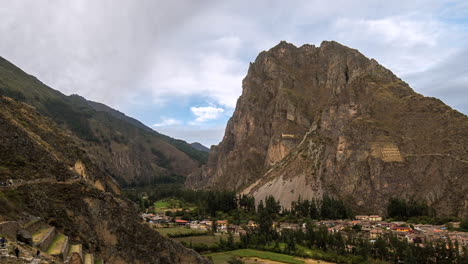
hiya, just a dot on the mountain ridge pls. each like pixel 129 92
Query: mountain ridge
pixel 138 154
pixel 200 147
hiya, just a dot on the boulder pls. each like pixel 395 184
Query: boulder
pixel 24 236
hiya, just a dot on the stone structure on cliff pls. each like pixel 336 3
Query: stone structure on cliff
pixel 327 120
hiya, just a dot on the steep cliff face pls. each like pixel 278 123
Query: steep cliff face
pixel 127 149
pixel 315 120
pixel 46 175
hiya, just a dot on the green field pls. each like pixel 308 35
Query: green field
pixel 223 257
pixel 207 240
pixel 161 204
pixel 171 205
pixel 179 231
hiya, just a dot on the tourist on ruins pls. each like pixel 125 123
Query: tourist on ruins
pixel 2 242
pixel 38 253
pixel 17 252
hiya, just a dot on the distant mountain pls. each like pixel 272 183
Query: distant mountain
pixel 314 121
pixel 200 147
pixel 49 178
pixel 131 152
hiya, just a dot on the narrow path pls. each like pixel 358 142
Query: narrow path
pixel 40 181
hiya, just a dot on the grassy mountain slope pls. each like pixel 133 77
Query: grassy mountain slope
pixel 131 152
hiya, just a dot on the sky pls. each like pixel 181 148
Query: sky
pixel 177 66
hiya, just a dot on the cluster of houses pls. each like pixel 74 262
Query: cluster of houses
pixel 370 226
pixel 373 227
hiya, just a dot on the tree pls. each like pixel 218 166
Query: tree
pixel 464 224
pixel 289 238
pixel 230 241
pixel 265 224
pixel 272 206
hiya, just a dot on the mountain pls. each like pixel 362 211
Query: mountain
pixel 48 181
pixel 131 152
pixel 200 147
pixel 327 120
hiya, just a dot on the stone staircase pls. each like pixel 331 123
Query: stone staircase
pixel 47 239
pixel 89 259
pixel 78 248
pixel 59 247
pixel 43 237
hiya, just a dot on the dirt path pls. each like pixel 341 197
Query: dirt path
pixel 39 181
pixel 313 261
pixel 267 261
pixel 260 261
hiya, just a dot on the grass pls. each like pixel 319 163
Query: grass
pixel 171 204
pixel 179 231
pixel 75 248
pixel 40 234
pixel 223 257
pixel 161 204
pixel 88 259
pixel 219 258
pixel 56 247
pixel 207 240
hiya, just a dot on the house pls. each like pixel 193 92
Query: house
pixel 205 225
pixel 222 223
pixel 336 228
pixel 181 222
pixel 401 229
pixel 455 224
pixel 362 217
pixel 375 218
pixel 375 233
pixel 251 224
pixel 233 229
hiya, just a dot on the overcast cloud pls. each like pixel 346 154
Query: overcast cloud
pixel 178 65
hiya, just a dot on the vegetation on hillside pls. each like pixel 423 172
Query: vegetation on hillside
pixel 105 132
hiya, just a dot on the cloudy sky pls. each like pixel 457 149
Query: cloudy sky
pixel 177 65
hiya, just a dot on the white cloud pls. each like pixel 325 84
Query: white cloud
pixel 167 122
pixel 206 113
pixel 405 44
pixel 149 52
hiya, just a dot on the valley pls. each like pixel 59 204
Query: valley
pixel 328 158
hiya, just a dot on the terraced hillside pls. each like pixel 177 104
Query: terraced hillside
pixel 54 191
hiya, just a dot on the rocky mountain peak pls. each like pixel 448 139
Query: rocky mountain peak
pixel 327 120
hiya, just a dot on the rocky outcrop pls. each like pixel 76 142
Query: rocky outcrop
pixel 327 120
pixel 51 178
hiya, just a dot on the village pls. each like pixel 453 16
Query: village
pixel 370 227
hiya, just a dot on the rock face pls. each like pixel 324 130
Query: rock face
pixel 327 120
pixel 50 177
